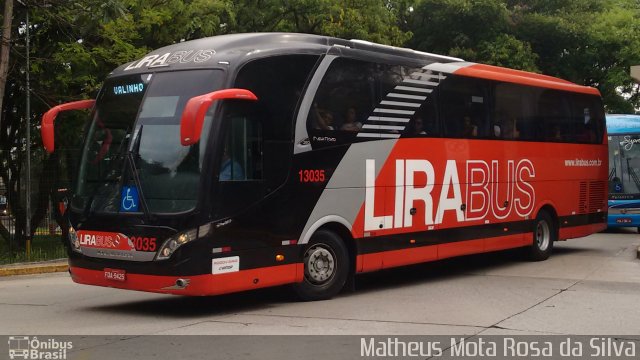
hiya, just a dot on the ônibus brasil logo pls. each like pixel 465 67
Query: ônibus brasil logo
pixel 25 347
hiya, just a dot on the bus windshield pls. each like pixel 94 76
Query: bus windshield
pixel 624 166
pixel 134 141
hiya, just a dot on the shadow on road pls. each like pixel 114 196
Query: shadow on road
pixel 262 299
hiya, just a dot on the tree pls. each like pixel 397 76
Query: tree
pixel 351 19
pixel 590 42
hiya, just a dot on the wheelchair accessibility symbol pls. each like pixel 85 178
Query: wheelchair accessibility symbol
pixel 129 199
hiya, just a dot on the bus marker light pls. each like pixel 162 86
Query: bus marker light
pixel 279 257
pixel 412 241
pixel 289 242
pixel 183 239
pixel 221 249
pixel 505 229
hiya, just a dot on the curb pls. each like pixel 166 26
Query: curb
pixel 34 268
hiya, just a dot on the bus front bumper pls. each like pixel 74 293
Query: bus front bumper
pixel 194 285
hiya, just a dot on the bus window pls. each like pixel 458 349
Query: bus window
pixel 425 122
pixel 514 112
pixel 554 111
pixel 346 95
pixel 587 119
pixel 278 95
pixel 463 107
pixel 240 170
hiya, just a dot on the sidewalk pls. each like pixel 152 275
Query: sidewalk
pixel 59 265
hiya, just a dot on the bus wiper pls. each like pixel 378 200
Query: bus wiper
pixel 136 180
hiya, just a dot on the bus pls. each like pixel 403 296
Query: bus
pixel 244 161
pixel 624 181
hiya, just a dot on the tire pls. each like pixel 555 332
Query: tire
pixel 544 235
pixel 326 267
pixel 638 230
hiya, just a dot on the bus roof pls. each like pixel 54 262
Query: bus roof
pixel 623 124
pixel 230 51
pixel 233 49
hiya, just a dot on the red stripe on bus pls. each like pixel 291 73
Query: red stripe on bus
pixel 522 77
pixel 199 285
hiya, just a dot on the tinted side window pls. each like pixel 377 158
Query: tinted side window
pixel 514 114
pixel 346 94
pixel 278 83
pixel 587 119
pixel 554 111
pixel 240 158
pixel 353 91
pixel 464 107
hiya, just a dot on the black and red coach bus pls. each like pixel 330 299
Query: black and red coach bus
pixel 243 161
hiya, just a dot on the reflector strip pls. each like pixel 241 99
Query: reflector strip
pixel 429 75
pixel 378 135
pixel 385 118
pixel 221 250
pixel 420 82
pixel 406 96
pixel 289 242
pixel 383 127
pixel 392 111
pixel 414 89
pixel 399 103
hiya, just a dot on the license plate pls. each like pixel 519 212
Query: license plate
pixel 623 221
pixel 115 275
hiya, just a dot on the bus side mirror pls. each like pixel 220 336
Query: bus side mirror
pixel 48 119
pixel 196 108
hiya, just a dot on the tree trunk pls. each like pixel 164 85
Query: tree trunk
pixel 5 47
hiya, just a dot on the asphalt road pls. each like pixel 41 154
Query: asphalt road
pixel 588 286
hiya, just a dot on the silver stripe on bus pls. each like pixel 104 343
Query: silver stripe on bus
pixel 383 127
pixel 414 89
pixel 386 118
pixel 377 135
pixel 406 96
pixel 399 103
pixel 420 82
pixel 438 76
pixel 392 111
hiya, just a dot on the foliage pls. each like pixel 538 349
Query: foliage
pixel 590 42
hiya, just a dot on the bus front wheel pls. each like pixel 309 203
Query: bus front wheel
pixel 544 234
pixel 326 267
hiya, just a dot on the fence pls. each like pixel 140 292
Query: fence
pixel 47 176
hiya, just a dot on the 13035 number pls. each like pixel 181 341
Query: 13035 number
pixel 307 176
pixel 144 243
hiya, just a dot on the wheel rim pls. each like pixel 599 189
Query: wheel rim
pixel 320 264
pixel 543 235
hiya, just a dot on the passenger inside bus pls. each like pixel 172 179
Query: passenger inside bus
pixel 350 120
pixel 469 129
pixel 323 118
pixel 509 129
pixel 418 126
pixel 229 168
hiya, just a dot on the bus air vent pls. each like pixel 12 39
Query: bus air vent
pixel 597 191
pixel 582 203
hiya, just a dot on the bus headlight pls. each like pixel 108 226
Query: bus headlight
pixel 74 242
pixel 171 244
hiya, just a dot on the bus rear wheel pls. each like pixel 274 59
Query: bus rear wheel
pixel 544 234
pixel 326 267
